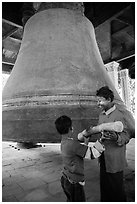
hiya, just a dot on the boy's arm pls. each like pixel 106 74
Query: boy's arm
pixel 112 126
pixel 120 137
pixel 116 126
pixel 85 133
pixel 123 138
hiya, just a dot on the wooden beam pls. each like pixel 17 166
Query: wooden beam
pixel 125 56
pixel 9 61
pixel 16 40
pixel 6 68
pixel 11 23
pixel 11 44
pixel 9 33
pixel 108 16
pixel 122 20
pixel 120 13
pixel 123 30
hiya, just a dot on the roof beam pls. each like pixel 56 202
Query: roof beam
pixel 10 61
pixel 6 68
pixel 128 54
pixel 9 33
pixel 122 21
pixel 119 13
pixel 16 40
pixel 11 44
pixel 124 58
pixel 11 23
pixel 123 30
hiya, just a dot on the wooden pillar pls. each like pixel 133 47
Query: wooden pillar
pixel 112 69
pixel 125 87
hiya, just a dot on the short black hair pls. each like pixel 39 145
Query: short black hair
pixel 105 92
pixel 63 124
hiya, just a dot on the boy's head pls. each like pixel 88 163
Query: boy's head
pixel 105 97
pixel 63 124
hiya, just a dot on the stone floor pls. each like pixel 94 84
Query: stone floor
pixel 33 175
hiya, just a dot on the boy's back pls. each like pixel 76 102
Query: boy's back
pixel 73 153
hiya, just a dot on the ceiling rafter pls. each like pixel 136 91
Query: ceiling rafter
pixel 11 44
pixel 11 32
pixel 123 30
pixel 16 40
pixel 7 68
pixel 6 60
pixel 122 21
pixel 11 23
pixel 128 54
pixel 120 13
pixel 112 17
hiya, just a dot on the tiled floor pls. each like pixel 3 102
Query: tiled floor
pixel 33 175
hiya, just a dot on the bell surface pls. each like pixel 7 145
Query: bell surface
pixel 57 72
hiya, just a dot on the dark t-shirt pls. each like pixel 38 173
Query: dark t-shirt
pixel 73 153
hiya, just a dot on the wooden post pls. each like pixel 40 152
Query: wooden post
pixel 112 69
pixel 125 87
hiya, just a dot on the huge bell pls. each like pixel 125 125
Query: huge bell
pixel 57 72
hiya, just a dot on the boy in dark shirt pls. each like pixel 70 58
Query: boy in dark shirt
pixel 73 153
pixel 113 159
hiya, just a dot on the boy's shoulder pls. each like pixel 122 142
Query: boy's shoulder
pixel 71 141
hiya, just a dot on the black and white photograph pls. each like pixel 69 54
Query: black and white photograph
pixel 68 101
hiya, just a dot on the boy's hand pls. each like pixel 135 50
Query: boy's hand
pixel 89 131
pixel 86 140
pixel 85 133
pixel 110 135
